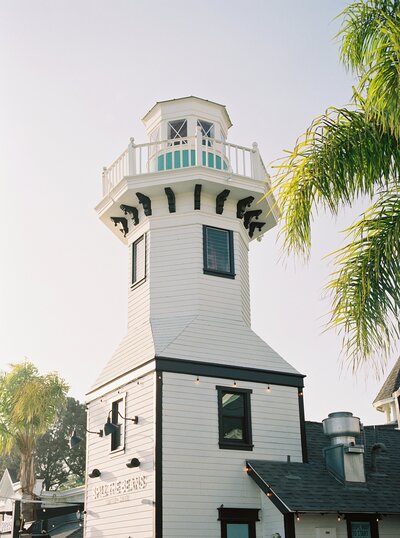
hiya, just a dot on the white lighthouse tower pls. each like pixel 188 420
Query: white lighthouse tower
pixel 191 392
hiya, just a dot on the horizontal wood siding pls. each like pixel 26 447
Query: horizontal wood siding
pixel 198 476
pixel 132 514
pixel 243 276
pixel 272 519
pixel 389 527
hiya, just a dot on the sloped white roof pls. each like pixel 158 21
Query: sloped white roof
pixel 200 338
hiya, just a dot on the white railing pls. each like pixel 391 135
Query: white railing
pixel 184 153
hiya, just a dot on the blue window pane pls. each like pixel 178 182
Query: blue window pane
pixel 217 250
pixel 237 530
pixel 360 529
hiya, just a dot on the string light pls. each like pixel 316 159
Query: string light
pixel 197 380
pixel 297 516
pixel 269 494
pixel 339 517
pixel 234 384
pixel 268 389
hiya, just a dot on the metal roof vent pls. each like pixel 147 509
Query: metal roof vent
pixel 344 458
pixel 341 427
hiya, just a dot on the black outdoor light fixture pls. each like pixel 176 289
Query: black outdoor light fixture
pixel 95 473
pixel 134 462
pixel 110 427
pixel 75 439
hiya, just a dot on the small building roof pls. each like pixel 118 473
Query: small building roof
pixel 310 487
pixel 391 384
pixel 229 122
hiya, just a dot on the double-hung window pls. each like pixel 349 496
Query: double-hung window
pixel 139 260
pixel 234 416
pixel 218 252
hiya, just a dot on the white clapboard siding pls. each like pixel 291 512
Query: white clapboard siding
pixel 389 527
pixel 243 276
pixel 131 514
pixel 272 519
pixel 197 475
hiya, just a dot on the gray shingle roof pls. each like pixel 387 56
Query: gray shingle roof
pixel 391 384
pixel 316 490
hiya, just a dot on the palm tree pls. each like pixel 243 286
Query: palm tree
pixel 347 153
pixel 29 403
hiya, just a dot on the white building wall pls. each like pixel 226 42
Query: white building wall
pixel 326 526
pixel 272 520
pixel 196 472
pixel 112 511
pixel 389 527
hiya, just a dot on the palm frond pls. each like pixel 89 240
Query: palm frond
pixel 370 46
pixel 340 157
pixel 365 287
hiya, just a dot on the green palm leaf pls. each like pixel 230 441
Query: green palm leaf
pixel 365 287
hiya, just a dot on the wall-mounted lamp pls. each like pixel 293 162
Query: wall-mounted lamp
pixel 110 427
pixel 75 439
pixel 95 473
pixel 134 462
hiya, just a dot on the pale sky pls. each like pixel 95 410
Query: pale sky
pixel 77 76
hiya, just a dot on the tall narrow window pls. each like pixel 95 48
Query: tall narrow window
pixel 218 252
pixel 176 131
pixel 139 260
pixel 234 418
pixel 117 437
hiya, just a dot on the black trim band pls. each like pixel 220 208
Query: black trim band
pixel 290 529
pixel 240 373
pixel 265 488
pixel 158 457
pixel 302 426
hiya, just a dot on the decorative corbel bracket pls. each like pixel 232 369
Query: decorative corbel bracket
pixel 171 199
pixel 132 211
pixel 253 226
pixel 146 203
pixel 124 223
pixel 220 200
pixel 197 195
pixel 242 204
pixel 250 215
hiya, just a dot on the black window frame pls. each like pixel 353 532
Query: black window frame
pixel 214 272
pixel 135 282
pixel 230 516
pixel 117 441
pixel 363 518
pixel 235 444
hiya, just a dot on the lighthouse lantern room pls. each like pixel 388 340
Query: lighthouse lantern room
pixel 191 393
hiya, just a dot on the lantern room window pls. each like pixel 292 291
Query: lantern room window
pixel 218 252
pixel 207 131
pixel 177 130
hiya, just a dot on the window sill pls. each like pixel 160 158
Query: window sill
pixel 117 451
pixel 217 273
pixel 235 446
pixel 138 283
